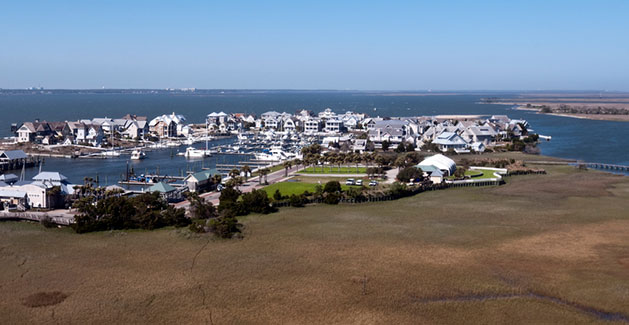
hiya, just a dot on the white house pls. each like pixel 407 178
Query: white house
pixel 450 140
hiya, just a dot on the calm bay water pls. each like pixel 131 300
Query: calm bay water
pixel 595 141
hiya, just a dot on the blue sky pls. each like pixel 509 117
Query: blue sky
pixel 397 45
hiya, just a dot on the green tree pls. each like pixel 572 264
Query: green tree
pixel 332 187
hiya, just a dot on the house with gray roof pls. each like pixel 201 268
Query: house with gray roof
pixel 450 140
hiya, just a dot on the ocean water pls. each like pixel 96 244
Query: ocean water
pixel 587 140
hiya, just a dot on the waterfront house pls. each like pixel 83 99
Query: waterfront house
pixel 327 114
pixel 94 136
pixel 289 124
pixel 12 156
pixel 450 140
pixel 312 126
pixel 360 145
pixel 199 182
pixel 368 123
pixel 484 134
pixel 26 133
pixel 10 196
pixel 167 125
pixel 166 191
pixel 334 125
pixel 35 193
pixel 389 130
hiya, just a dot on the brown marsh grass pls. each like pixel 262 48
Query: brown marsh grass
pixel 542 249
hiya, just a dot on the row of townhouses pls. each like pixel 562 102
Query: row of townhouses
pixel 93 132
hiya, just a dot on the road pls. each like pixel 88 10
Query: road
pixel 251 184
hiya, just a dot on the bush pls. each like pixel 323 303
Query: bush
pixel 201 209
pixel 257 201
pixel 297 201
pixel 332 187
pixel 224 227
pixel 459 172
pixel 145 211
pixel 277 196
pixel 398 190
pixel 332 198
pixel 354 193
pixel 47 222
pixel 197 226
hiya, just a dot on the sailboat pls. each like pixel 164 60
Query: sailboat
pixel 192 152
pixel 112 152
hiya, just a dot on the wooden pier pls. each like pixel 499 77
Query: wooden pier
pixel 19 164
pixel 622 168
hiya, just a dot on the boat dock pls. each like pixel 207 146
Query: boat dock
pixel 622 168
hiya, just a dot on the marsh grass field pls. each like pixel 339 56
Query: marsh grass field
pixel 541 249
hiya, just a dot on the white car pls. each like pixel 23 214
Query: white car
pixel 350 181
pixel 373 183
pixel 359 182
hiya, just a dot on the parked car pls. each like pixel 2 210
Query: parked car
pixel 359 182
pixel 373 183
pixel 350 181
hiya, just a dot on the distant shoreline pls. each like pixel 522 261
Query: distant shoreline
pixel 595 117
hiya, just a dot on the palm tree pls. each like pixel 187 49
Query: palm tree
pixel 298 162
pixel 216 178
pixel 234 172
pixel 356 158
pixel 246 170
pixel 287 165
pixel 340 159
pixel 263 172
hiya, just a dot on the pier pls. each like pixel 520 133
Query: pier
pixel 622 168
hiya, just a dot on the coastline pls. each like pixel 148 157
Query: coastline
pixel 594 117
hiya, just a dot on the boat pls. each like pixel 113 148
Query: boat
pixel 138 155
pixel 192 152
pixel 110 153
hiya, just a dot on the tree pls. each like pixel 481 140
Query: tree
pixel 216 179
pixel 297 200
pixel 257 201
pixel 401 147
pixel 201 209
pixel 234 173
pixel 385 145
pixel 459 172
pixel 225 226
pixel 263 172
pixel 408 174
pixel 332 187
pixel 246 170
pixel 287 165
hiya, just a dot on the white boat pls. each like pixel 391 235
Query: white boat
pixel 138 155
pixel 110 153
pixel 275 154
pixel 192 152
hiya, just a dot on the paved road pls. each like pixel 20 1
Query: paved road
pixel 250 185
pixel 62 216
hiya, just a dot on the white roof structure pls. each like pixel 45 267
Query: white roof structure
pixel 12 155
pixel 449 138
pixel 440 161
pixel 11 193
pixel 53 177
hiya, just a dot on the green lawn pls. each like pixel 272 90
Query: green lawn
pixel 272 169
pixel 334 170
pixel 484 174
pixel 289 188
